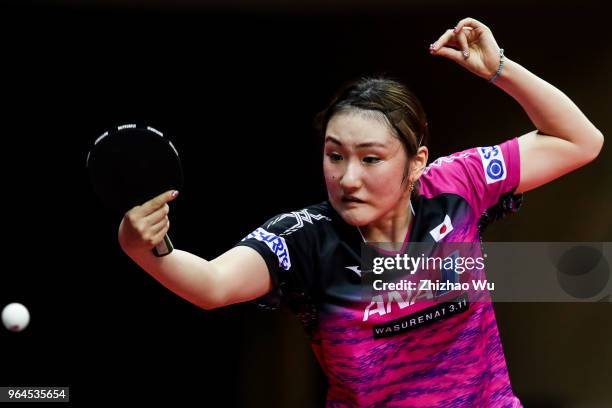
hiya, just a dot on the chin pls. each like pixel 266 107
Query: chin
pixel 357 217
pixel 352 217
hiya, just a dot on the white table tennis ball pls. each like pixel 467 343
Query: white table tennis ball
pixel 15 317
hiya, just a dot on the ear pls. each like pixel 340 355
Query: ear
pixel 418 163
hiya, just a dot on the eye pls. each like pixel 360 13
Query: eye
pixel 371 160
pixel 334 157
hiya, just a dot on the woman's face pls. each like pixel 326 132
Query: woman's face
pixel 364 166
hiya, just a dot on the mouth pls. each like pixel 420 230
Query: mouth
pixel 351 199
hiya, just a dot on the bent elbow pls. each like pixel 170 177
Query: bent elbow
pixel 209 304
pixel 209 299
pixel 596 146
pixel 208 307
pixel 213 300
pixel 588 151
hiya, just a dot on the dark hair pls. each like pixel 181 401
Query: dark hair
pixel 400 108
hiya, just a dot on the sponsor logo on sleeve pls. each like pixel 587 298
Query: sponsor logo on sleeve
pixel 277 245
pixel 492 163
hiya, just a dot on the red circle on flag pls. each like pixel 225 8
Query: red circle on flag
pixel 443 229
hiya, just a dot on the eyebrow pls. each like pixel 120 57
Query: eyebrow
pixel 366 144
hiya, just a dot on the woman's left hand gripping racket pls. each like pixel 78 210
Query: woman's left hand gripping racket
pixel 131 164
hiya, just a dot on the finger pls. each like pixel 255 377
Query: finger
pixel 158 237
pixel 450 53
pixel 155 229
pixel 469 22
pixel 157 215
pixel 155 203
pixel 463 44
pixel 445 39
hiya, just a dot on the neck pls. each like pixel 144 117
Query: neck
pixel 391 228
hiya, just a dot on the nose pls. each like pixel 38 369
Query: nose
pixel 351 179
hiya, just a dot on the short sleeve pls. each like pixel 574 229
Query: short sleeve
pixel 286 246
pixel 484 176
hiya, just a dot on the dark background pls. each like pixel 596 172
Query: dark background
pixel 236 85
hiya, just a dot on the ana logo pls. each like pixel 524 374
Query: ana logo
pixel 442 230
pixel 492 163
pixel 382 305
pixel 276 244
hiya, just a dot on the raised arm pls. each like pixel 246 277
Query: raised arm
pixel 238 275
pixel 564 139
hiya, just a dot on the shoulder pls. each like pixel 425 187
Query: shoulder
pixel 472 169
pixel 301 226
pixel 450 163
pixel 447 174
pixel 479 175
pixel 303 220
pixel 291 235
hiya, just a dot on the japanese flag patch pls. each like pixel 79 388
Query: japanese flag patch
pixel 442 230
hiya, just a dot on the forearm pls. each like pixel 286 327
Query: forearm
pixel 550 110
pixel 187 275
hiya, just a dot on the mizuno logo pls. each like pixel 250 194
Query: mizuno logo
pixel 354 269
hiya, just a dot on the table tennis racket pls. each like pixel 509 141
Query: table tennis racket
pixel 131 164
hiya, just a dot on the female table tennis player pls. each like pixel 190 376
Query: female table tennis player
pixel 380 190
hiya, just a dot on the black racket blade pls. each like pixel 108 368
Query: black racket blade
pixel 129 165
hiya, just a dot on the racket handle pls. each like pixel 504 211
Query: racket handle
pixel 164 247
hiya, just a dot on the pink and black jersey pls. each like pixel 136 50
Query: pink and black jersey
pixel 457 360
